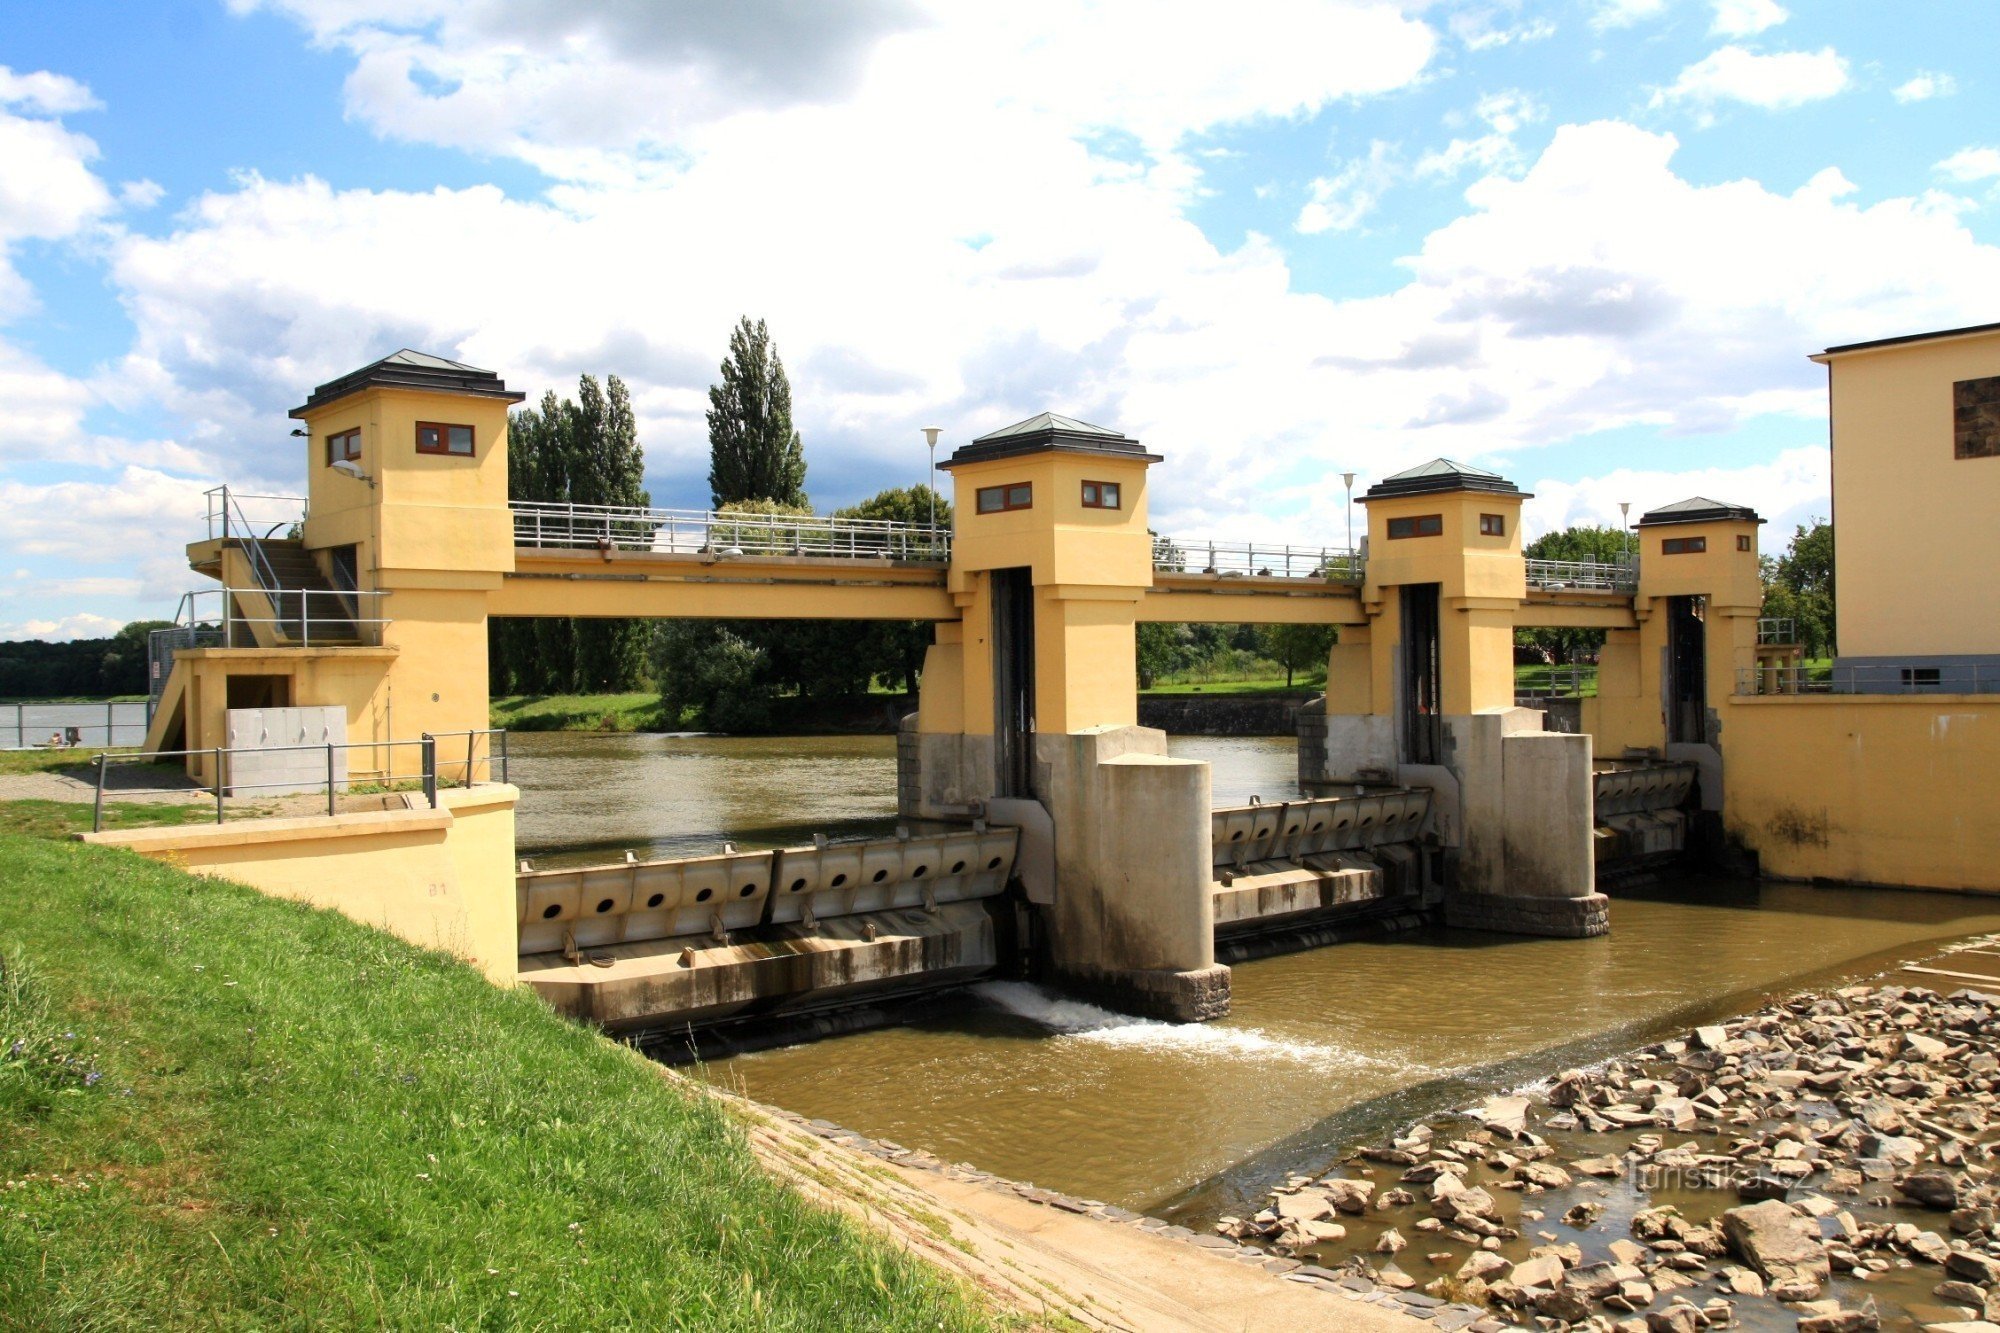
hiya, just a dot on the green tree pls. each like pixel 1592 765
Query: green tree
pixel 707 670
pixel 1798 586
pixel 1162 650
pixel 754 454
pixel 893 650
pixel 122 669
pixel 1296 647
pixel 1591 543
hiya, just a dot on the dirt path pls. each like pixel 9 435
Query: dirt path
pixel 1062 1268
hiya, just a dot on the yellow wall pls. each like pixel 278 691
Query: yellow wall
pixel 356 679
pixel 1907 512
pixel 1871 789
pixel 440 878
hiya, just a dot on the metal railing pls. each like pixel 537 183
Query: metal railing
pixel 433 773
pixel 1257 560
pixel 1777 630
pixel 1583 575
pixel 1872 678
pixel 63 726
pixel 725 535
pixel 299 613
pixel 1555 682
pixel 242 514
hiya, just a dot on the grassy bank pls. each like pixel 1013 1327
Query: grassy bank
pixel 219 1110
pixel 639 711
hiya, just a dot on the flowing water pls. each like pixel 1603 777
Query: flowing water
pixel 1321 1048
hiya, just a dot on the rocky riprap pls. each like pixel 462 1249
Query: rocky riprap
pixel 1803 1124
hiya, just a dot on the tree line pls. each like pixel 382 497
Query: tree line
pixel 80 668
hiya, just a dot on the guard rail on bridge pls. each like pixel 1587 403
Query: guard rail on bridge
pixel 1872 678
pixel 1261 560
pixel 1582 576
pixel 724 535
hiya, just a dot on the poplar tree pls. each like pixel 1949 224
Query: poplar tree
pixel 607 468
pixel 754 454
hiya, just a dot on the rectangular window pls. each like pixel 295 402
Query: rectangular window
pixel 1975 413
pixel 1922 678
pixel 344 447
pixel 1742 541
pixel 999 499
pixel 1100 495
pixel 1422 525
pixel 437 437
pixel 1683 545
pixel 1493 525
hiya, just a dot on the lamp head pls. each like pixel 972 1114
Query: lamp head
pixel 1347 479
pixel 350 468
pixel 931 434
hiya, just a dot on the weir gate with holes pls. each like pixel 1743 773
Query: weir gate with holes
pixel 1641 814
pixel 709 942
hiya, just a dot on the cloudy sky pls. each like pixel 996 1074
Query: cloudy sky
pixel 1588 243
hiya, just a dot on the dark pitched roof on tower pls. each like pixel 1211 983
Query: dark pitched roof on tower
pixel 1698 509
pixel 1441 475
pixel 1046 431
pixel 409 369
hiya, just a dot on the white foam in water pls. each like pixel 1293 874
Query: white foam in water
pixel 1078 1021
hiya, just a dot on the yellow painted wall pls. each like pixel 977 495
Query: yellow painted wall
pixel 1871 789
pixel 1906 511
pixel 1461 561
pixel 356 679
pixel 440 878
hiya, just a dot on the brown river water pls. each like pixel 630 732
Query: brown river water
pixel 1322 1048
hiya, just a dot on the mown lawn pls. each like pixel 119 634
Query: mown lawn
pixel 639 711
pixel 218 1110
pixel 1270 686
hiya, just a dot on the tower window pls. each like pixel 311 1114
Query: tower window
pixel 1683 545
pixel 1742 541
pixel 999 499
pixel 1100 495
pixel 437 437
pixel 1493 525
pixel 1975 424
pixel 344 447
pixel 1420 525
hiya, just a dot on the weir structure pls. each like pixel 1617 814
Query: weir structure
pixel 1046 831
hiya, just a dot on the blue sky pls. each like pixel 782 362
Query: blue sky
pixel 1586 242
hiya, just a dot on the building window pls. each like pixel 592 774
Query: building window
pixel 1100 495
pixel 1742 541
pixel 344 447
pixel 1493 525
pixel 1422 525
pixel 999 499
pixel 1683 545
pixel 437 437
pixel 1975 424
pixel 1922 678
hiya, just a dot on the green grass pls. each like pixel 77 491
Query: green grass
pixel 50 761
pixel 59 819
pixel 224 1111
pixel 579 712
pixel 1530 678
pixel 1275 686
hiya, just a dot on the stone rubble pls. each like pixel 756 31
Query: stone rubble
pixel 1800 1121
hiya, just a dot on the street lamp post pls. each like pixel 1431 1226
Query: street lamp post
pixel 1347 480
pixel 931 434
pixel 1625 526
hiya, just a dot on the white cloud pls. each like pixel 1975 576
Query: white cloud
pixel 1484 29
pixel 1625 13
pixel 1925 85
pixel 1790 489
pixel 561 83
pixel 82 625
pixel 1776 82
pixel 1342 201
pixel 1504 114
pixel 1746 18
pixel 44 92
pixel 1971 165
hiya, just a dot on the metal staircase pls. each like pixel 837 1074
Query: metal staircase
pixel 307 608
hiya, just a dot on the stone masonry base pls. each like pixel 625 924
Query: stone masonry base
pixel 1567 918
pixel 1193 996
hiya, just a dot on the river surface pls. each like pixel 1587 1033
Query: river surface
pixel 1321 1048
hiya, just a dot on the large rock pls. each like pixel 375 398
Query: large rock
pixel 1546 1271
pixel 1932 1189
pixel 1304 1206
pixel 1349 1196
pixel 1776 1241
pixel 1505 1115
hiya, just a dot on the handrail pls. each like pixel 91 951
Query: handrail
pixel 224 787
pixel 1583 575
pixel 1872 678
pixel 260 563
pixel 1259 560
pixel 723 534
pixel 190 618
